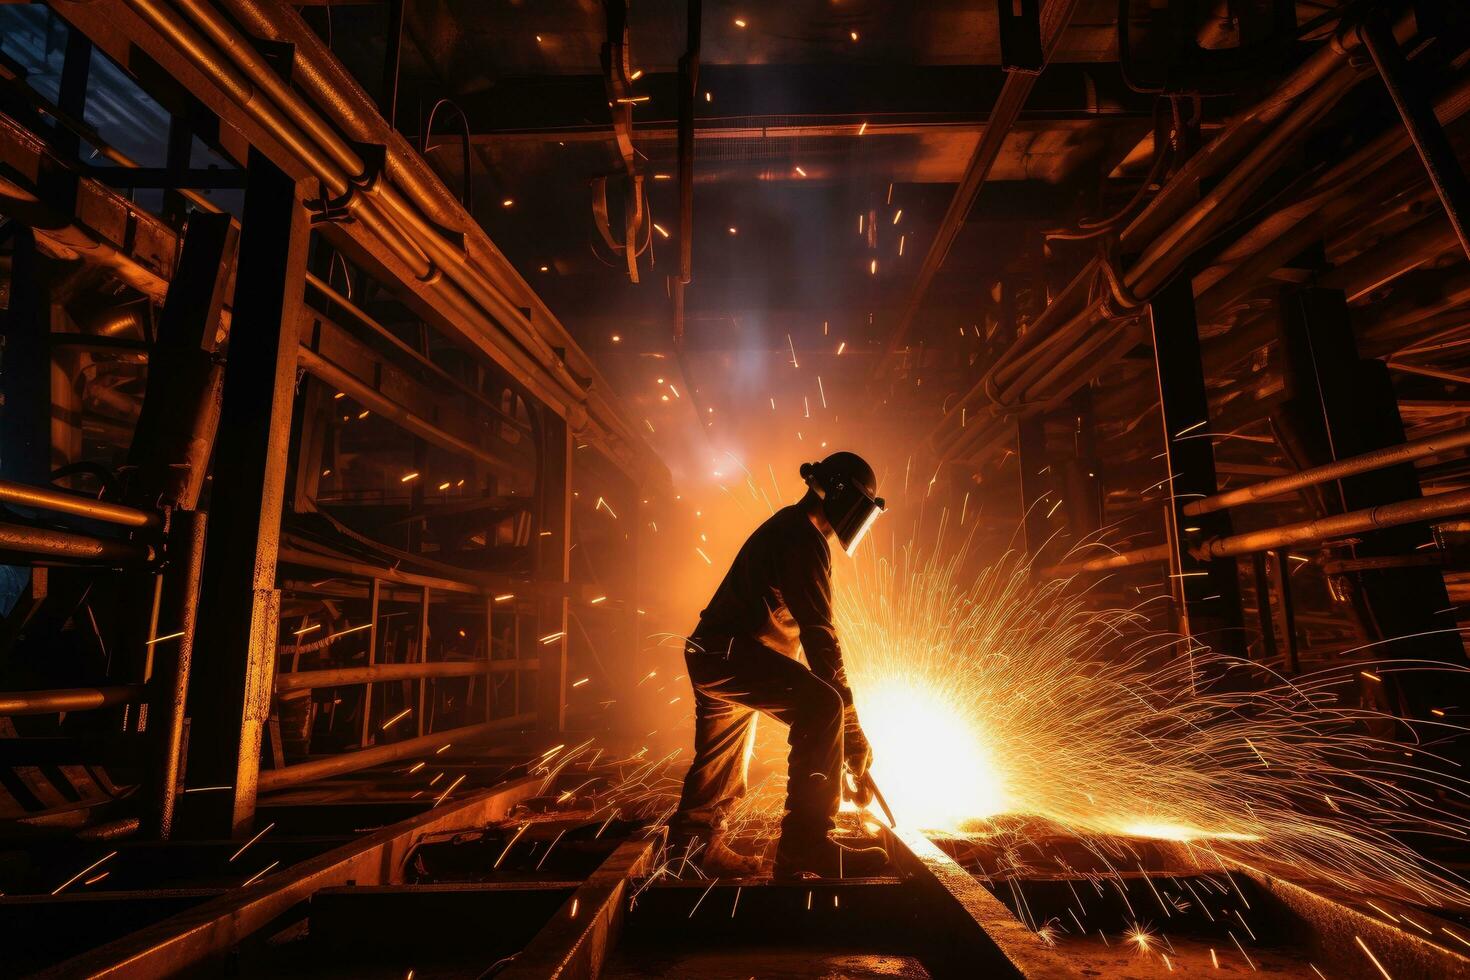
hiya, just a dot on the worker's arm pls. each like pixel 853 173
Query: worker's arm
pixel 806 585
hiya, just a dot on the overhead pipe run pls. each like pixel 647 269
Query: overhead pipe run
pixel 483 298
pixel 1073 338
pixel 432 211
pixel 1318 529
pixel 1378 459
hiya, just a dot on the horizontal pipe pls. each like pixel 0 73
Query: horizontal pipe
pixel 44 542
pixel 14 703
pixel 367 395
pixel 326 563
pixel 66 502
pixel 1118 559
pixel 1302 532
pixel 308 680
pixel 1376 460
pixel 337 765
pixel 1340 525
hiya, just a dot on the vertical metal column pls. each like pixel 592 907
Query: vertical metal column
pixel 1285 610
pixel 553 570
pixel 176 426
pixel 1036 483
pixel 1261 577
pixel 424 599
pixel 230 691
pixel 167 676
pixel 1209 591
pixel 375 597
pixel 25 368
pixel 1339 405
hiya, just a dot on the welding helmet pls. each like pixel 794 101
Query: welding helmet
pixel 847 487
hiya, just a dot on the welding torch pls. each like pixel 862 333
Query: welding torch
pixel 862 790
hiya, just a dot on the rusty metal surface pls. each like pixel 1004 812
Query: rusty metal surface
pixel 192 938
pixel 1338 937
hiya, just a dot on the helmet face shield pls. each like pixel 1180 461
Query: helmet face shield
pixel 847 487
pixel 853 525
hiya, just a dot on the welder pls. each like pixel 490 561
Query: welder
pixel 776 602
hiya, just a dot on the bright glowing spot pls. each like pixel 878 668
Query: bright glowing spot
pixel 931 763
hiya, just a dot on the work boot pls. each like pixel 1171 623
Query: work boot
pixel 721 861
pixel 823 857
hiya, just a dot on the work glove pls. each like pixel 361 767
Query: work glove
pixel 857 754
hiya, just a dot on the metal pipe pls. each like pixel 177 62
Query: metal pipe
pixel 316 145
pixel 66 502
pixel 366 394
pixel 1340 525
pixel 318 72
pixel 1378 459
pixel 307 680
pixel 168 672
pixel 67 699
pixel 1157 263
pixel 1268 539
pixel 305 772
pixel 342 164
pixel 44 542
pixel 326 563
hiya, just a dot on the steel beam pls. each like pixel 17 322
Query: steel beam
pixel 1375 459
pixel 25 373
pixel 1208 592
pixel 553 568
pixel 200 935
pixel 577 940
pixel 229 693
pixel 168 665
pixel 979 935
pixel 1416 109
pixel 176 427
pixel 1054 17
pixel 67 699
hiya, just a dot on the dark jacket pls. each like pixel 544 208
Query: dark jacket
pixel 778 592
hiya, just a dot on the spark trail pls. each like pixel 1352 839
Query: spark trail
pixel 1000 694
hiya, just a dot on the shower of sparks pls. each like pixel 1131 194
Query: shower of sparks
pixel 1004 696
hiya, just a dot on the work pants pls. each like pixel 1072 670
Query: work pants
pixel 733 680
